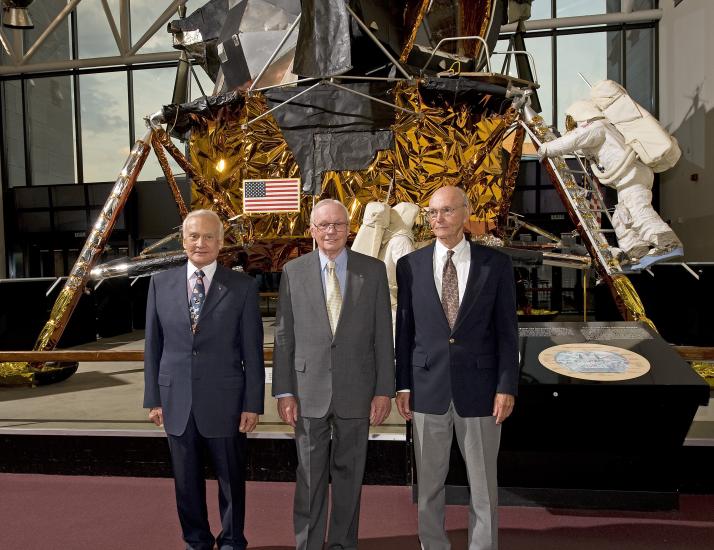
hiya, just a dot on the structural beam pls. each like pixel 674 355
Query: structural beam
pixel 617 18
pixel 89 63
pixel 160 22
pixel 49 30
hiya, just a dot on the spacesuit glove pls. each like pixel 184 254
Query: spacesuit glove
pixel 542 152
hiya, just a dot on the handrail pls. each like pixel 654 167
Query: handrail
pixel 91 356
pixel 688 353
pixel 453 39
pixel 695 353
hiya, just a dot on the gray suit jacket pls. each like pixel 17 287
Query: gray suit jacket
pixel 349 368
pixel 216 373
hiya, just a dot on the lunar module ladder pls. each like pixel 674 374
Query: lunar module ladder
pixel 594 198
pixel 581 207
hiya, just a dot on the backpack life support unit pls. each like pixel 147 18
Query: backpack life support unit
pixel 654 146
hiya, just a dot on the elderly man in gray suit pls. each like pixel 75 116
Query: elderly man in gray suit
pixel 204 378
pixel 333 374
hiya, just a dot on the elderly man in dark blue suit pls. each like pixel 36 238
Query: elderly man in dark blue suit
pixel 457 365
pixel 204 378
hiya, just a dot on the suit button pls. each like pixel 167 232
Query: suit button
pixel 195 352
pixel 333 346
pixel 452 341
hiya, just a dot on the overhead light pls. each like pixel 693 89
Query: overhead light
pixel 15 14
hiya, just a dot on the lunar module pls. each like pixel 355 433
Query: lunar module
pixel 362 101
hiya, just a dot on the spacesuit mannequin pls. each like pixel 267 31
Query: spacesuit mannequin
pixel 637 225
pixel 374 222
pixel 397 241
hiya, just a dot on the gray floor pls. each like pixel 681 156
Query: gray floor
pixel 106 399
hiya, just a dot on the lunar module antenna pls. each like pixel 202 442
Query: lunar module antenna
pixel 585 79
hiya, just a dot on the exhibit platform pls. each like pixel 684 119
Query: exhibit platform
pixel 570 442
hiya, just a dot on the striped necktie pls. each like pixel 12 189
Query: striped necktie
pixel 450 290
pixel 198 297
pixel 333 296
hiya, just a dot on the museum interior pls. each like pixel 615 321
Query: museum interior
pixel 578 131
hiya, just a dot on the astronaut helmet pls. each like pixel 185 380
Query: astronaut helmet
pixel 581 111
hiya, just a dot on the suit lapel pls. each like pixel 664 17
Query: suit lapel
pixel 312 286
pixel 179 296
pixel 355 280
pixel 216 292
pixel 478 274
pixel 431 296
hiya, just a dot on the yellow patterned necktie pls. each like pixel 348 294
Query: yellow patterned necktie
pixel 333 296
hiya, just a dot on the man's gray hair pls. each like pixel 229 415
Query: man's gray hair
pixel 325 202
pixel 203 213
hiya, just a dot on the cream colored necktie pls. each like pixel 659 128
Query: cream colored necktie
pixel 334 296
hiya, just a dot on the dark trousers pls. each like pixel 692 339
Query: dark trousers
pixel 228 459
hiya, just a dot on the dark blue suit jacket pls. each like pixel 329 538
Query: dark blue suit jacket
pixel 476 359
pixel 216 373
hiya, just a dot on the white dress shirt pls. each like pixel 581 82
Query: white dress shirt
pixel 462 262
pixel 208 272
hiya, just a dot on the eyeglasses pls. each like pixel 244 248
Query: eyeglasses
pixel 325 227
pixel 447 211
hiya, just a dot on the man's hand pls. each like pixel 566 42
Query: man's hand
pixel 503 406
pixel 248 422
pixel 381 405
pixel 288 410
pixel 156 415
pixel 402 401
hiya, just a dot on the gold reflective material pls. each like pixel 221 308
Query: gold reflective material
pixel 430 151
pixel 509 181
pixel 447 145
pixel 414 16
pixel 705 370
pixel 258 151
pixel 217 197
pixel 166 169
pixel 474 18
pixel 16 374
pixel 631 300
pixel 570 123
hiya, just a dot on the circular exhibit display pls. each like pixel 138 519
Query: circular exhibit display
pixel 594 362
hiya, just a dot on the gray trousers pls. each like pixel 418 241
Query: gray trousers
pixel 478 439
pixel 343 460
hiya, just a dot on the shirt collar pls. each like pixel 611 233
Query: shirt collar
pixel 440 250
pixel 208 271
pixel 340 260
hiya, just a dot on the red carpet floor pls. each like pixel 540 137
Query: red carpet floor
pixel 68 513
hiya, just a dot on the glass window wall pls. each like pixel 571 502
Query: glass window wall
pixel 105 125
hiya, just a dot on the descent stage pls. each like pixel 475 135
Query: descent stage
pixel 570 442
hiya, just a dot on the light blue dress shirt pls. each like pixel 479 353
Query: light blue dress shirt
pixel 340 268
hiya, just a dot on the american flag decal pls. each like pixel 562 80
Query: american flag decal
pixel 272 195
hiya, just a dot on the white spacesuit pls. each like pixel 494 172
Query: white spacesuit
pixel 637 225
pixel 398 241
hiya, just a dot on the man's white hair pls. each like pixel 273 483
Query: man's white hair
pixel 203 213
pixel 325 202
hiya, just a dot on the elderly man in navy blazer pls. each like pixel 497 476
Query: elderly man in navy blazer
pixel 204 378
pixel 457 365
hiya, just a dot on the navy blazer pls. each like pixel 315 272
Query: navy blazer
pixel 475 360
pixel 216 373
